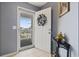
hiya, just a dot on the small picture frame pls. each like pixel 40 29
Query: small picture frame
pixel 63 8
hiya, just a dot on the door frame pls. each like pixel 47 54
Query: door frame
pixel 18 32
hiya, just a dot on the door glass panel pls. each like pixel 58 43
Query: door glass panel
pixel 25 31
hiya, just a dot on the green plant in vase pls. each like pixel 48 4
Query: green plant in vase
pixel 59 37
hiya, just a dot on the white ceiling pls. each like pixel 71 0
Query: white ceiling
pixel 38 4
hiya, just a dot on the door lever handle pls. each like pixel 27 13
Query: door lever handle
pixel 49 32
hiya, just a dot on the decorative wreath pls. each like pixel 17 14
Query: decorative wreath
pixel 41 20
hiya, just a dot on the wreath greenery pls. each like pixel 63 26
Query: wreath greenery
pixel 41 20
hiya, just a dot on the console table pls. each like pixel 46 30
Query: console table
pixel 64 45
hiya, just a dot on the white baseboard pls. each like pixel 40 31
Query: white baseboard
pixel 9 55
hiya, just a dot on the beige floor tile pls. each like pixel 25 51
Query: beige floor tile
pixel 33 52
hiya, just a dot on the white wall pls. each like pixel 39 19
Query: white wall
pixel 68 24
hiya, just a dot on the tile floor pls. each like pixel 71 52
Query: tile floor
pixel 33 52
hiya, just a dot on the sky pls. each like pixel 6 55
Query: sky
pixel 25 22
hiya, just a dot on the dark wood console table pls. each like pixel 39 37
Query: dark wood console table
pixel 64 45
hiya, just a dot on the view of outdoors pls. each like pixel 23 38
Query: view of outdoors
pixel 25 31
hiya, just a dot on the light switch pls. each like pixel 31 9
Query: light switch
pixel 14 27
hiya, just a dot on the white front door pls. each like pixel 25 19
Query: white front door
pixel 43 33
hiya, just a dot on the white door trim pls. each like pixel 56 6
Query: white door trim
pixel 18 37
